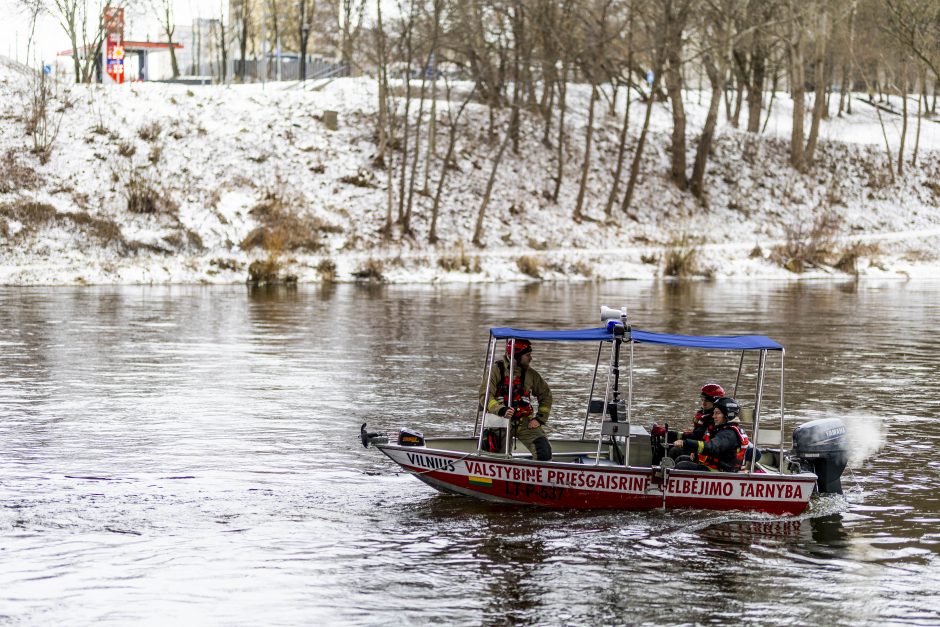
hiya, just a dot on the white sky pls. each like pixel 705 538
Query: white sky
pixel 14 27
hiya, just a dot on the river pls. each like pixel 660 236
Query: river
pixel 190 454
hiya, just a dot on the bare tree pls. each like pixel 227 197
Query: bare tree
pixel 478 229
pixel 674 17
pixel 822 36
pixel 352 12
pixel 307 10
pixel 446 165
pixel 84 27
pixel 163 11
pixel 242 10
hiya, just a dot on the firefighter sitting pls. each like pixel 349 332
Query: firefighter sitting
pixel 527 420
pixel 722 448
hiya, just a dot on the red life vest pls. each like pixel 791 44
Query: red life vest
pixel 520 396
pixel 717 464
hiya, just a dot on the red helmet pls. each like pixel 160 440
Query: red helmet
pixel 712 392
pixel 522 347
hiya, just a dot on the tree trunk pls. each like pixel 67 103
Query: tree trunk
pixel 697 184
pixel 622 143
pixel 451 145
pixel 406 222
pixel 170 29
pixel 919 116
pixel 798 88
pixel 903 93
pixel 404 137
pixel 586 165
pixel 478 230
pixel 562 95
pixel 640 144
pixel 843 89
pixel 674 89
pixel 819 88
pixel 755 90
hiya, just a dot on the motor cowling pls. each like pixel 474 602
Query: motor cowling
pixel 410 437
pixel 822 447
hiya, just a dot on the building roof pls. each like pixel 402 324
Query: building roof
pixel 132 46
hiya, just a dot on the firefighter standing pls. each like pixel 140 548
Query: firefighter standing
pixel 527 419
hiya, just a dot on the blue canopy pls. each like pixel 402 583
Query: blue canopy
pixel 601 334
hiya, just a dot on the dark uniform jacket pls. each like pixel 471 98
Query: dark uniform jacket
pixel 724 447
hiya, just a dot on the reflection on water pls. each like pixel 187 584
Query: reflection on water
pixel 191 453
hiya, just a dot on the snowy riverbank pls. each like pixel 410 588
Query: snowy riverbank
pixel 218 162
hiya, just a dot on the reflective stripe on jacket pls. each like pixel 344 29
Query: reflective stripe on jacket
pixel 723 448
pixel 526 385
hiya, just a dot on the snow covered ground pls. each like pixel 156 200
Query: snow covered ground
pixel 215 161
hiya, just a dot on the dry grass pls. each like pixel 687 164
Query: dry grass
pixel 14 176
pixel 327 271
pixel 371 270
pixel 145 196
pixel 150 132
pixel 282 228
pixel 808 247
pixel 126 149
pixel 362 178
pixel 264 272
pixel 583 268
pixel 35 216
pixel 529 266
pixel 226 264
pixel 460 262
pixel 919 255
pixel 850 256
pixel 680 258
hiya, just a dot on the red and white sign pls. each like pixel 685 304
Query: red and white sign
pixel 114 43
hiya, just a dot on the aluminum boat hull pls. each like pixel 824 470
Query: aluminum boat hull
pixel 604 486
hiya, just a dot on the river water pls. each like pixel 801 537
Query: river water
pixel 191 454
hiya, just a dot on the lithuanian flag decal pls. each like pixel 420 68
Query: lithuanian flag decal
pixel 484 481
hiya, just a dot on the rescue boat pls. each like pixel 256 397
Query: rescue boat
pixel 613 468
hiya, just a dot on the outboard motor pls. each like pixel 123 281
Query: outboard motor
pixel 822 448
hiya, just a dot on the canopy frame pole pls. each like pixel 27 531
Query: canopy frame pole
pixel 509 395
pixel 600 432
pixel 783 353
pixel 488 373
pixel 626 458
pixel 734 392
pixel 587 414
pixel 760 391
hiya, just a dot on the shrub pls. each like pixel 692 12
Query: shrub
pixel 679 259
pixel 14 176
pixel 806 248
pixel 150 132
pixel 529 266
pixel 459 262
pixel 371 270
pixel 264 271
pixel 36 215
pixel 126 149
pixel 226 264
pixel 583 268
pixel 41 123
pixel 283 228
pixel 848 259
pixel 145 196
pixel 327 271
pixel 362 178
